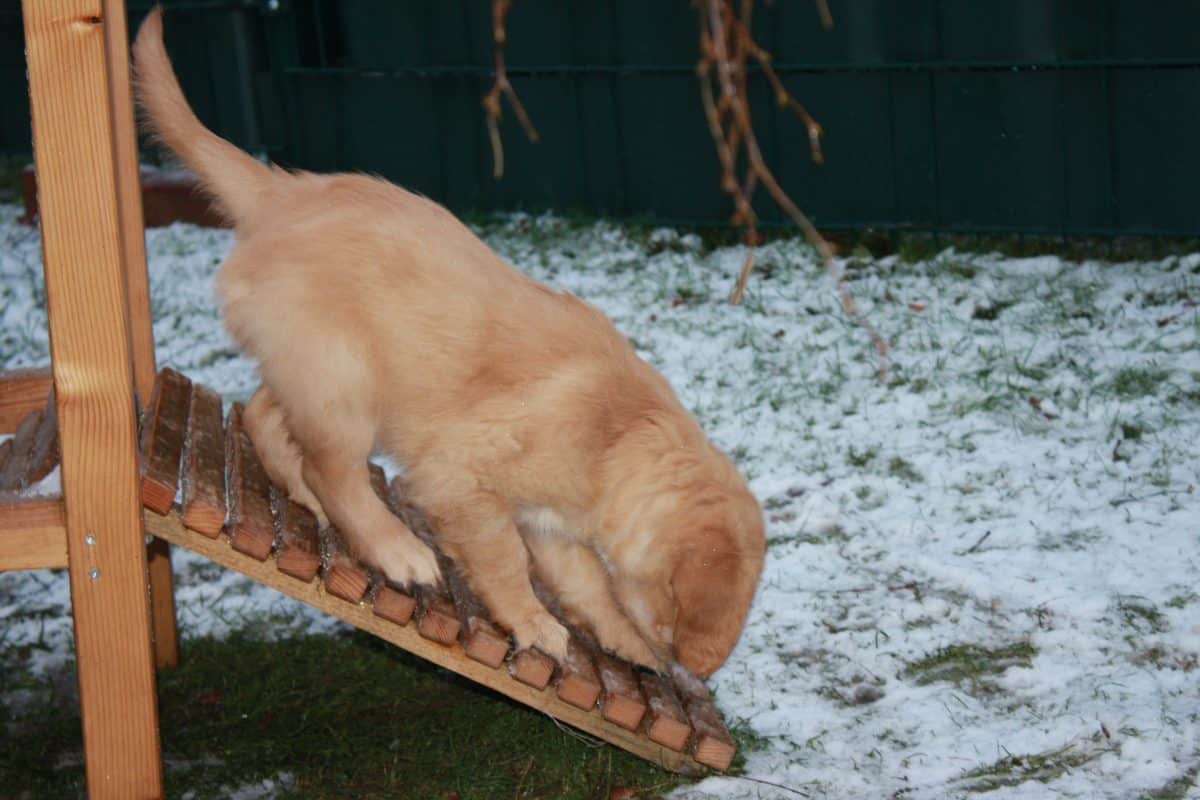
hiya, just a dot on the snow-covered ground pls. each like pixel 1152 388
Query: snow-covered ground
pixel 983 578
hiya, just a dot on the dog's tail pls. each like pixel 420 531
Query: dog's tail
pixel 234 179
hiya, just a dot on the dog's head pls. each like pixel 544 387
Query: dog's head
pixel 688 586
pixel 713 583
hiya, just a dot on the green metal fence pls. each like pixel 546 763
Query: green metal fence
pixel 1032 116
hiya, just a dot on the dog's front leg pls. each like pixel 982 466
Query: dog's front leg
pixel 479 532
pixel 376 535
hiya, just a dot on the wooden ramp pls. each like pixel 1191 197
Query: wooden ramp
pixel 203 489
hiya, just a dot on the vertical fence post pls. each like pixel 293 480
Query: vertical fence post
pixel 75 148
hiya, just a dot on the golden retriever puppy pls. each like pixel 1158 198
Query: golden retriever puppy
pixel 525 421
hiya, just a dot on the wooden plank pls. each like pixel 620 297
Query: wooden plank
pixel 622 703
pixel 344 577
pixel 407 637
pixel 68 68
pixel 437 618
pixel 33 533
pixel 203 476
pixel 251 528
pixel 578 683
pixel 532 668
pixel 390 603
pixel 162 439
pixel 666 722
pixel 484 641
pixel 481 640
pixel 44 455
pixel 714 747
pixel 13 474
pixel 297 546
pixel 5 451
pixel 21 392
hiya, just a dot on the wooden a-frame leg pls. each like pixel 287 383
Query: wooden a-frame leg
pixel 162 603
pixel 137 297
pixel 74 147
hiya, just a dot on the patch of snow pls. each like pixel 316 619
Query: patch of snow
pixel 1028 478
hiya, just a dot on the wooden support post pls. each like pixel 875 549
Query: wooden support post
pixel 137 292
pixel 74 146
pixel 129 197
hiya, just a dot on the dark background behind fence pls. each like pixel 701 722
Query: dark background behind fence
pixel 1031 116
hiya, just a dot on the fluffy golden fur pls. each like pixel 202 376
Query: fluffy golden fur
pixel 532 434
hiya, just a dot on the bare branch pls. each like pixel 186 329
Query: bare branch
pixel 502 86
pixel 725 45
pixel 823 12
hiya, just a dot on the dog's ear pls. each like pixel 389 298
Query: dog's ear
pixel 713 584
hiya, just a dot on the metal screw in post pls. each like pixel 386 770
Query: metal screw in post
pixel 94 573
pixel 89 538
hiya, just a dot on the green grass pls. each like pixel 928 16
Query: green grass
pixel 11 168
pixel 1178 789
pixel 992 309
pixel 1141 615
pixel 901 468
pixel 1041 767
pixel 860 458
pixel 1131 382
pixel 969 665
pixel 345 716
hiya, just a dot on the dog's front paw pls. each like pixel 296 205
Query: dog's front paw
pixel 407 561
pixel 543 631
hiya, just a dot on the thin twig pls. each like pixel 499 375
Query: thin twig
pixel 975 547
pixel 823 13
pixel 502 86
pixel 769 783
pixel 725 44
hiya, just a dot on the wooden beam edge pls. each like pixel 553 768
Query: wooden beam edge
pixel 170 528
pixel 22 391
pixel 33 534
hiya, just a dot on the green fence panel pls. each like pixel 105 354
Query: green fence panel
pixel 1044 116
pixel 15 133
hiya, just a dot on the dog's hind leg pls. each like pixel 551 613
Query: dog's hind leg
pixel 478 531
pixel 277 450
pixel 578 580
